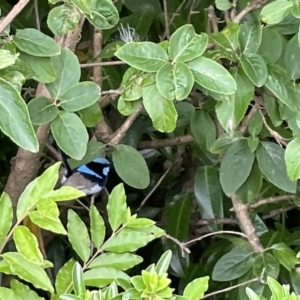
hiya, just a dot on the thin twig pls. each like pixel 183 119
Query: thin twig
pixel 249 7
pixel 245 122
pixel 205 222
pixel 118 91
pixel 178 140
pixel 37 17
pixel 167 30
pixel 155 187
pixel 213 18
pixel 278 211
pixel 12 14
pixel 190 12
pixel 269 200
pixel 233 9
pixel 181 245
pixel 103 63
pixel 176 12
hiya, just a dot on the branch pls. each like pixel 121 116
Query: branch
pixel 247 119
pixel 12 14
pixel 103 63
pixel 269 200
pixel 241 211
pixel 204 222
pixel 213 18
pixel 249 7
pixel 167 30
pixel 278 211
pixel 178 140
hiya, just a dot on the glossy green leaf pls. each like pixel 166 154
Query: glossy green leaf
pixel 61 19
pixel 23 291
pixel 6 215
pixel 6 293
pixel 145 56
pixel 285 255
pixel 174 81
pixel 251 294
pixel 223 4
pixel 82 245
pixel 14 118
pixel 212 76
pixel 67 70
pixel 15 78
pixel 222 143
pixel 84 6
pixel 91 115
pixel 292 159
pixel 47 216
pixel 27 244
pixel 70 134
pixel 132 84
pixel 64 277
pixel 185 44
pixel 232 265
pixel 36 43
pixel 127 158
pixel 116 206
pixel 64 193
pixel 255 68
pixel 279 84
pixel 161 111
pixel 266 263
pixel 139 223
pixel 128 240
pixel 203 129
pixel 275 288
pixel 28 271
pixel 97 226
pixel 104 14
pixel 292 57
pixel 196 289
pixel 270 157
pixel 209 195
pixel 235 166
pixel 7 58
pixel 42 110
pixel 103 276
pixel 42 67
pixel 36 189
pixel 276 11
pixel 119 261
pixel 272 107
pixel 77 278
pixel 255 124
pixel 80 96
pixel 250 36
pixel 127 108
pixel 163 263
pixel 225 113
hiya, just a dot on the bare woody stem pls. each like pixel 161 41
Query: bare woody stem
pixel 178 140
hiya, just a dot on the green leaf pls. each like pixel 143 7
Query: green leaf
pixel 292 159
pixel 235 166
pixel 232 265
pixel 119 261
pixel 292 57
pixel 203 129
pixel 101 277
pixel 161 111
pixel 116 207
pixel 272 107
pixel 276 288
pixel 132 84
pixel 196 289
pixel 42 110
pixel 28 271
pixel 185 44
pixel 64 193
pixel 145 56
pixel 67 70
pixel 82 245
pixel 104 14
pixel 47 216
pixel 251 294
pixel 7 58
pixel 27 244
pixel 77 278
pixel 70 134
pixel 6 293
pixel 174 81
pixel 255 68
pixel 225 113
pixel 127 158
pixel 6 215
pixel 36 43
pixel 128 240
pixel 285 255
pixel 63 279
pixel 250 36
pixel 97 226
pixel 163 263
pixel 223 4
pixel 276 11
pixel 14 118
pixel 221 144
pixel 139 223
pixel 255 124
pixel 23 291
pixel 212 76
pixel 79 96
pixel 61 19
pixel 91 115
pixel 209 195
pixel 36 189
pixel 42 67
pixel 127 108
pixel 279 84
pixel 270 157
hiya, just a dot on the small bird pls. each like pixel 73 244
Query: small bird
pixel 89 178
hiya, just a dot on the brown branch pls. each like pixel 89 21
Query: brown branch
pixel 178 140
pixel 269 200
pixel 249 7
pixel 184 249
pixel 233 9
pixel 278 211
pixel 103 63
pixel 97 47
pixel 167 30
pixel 204 222
pixel 245 122
pixel 241 211
pixel 120 133
pixel 36 13
pixel 213 18
pixel 12 14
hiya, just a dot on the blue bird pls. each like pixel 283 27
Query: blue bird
pixel 89 178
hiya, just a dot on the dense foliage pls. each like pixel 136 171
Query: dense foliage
pixel 196 104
